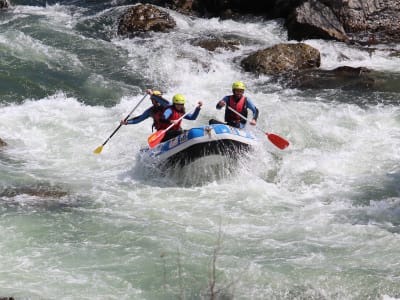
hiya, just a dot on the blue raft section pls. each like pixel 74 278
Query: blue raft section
pixel 215 139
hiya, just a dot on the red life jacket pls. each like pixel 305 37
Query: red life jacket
pixel 175 116
pixel 240 107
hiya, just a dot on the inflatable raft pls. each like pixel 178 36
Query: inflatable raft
pixel 198 142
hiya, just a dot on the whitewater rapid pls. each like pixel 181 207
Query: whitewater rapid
pixel 317 220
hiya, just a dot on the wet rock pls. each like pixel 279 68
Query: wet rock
pixel 345 78
pixel 2 143
pixel 340 78
pixel 313 19
pixel 360 21
pixel 6 298
pixel 214 43
pixel 370 21
pixel 143 18
pixel 282 58
pixel 183 6
pixel 4 4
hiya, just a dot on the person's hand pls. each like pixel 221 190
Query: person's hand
pixel 199 104
pixel 221 103
pixel 124 122
pixel 149 91
pixel 253 122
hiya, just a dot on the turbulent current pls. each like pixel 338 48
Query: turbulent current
pixel 319 220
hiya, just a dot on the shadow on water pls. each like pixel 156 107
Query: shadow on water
pixel 200 172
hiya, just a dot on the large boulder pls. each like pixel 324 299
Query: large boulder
pixel 379 19
pixel 282 58
pixel 143 18
pixel 313 19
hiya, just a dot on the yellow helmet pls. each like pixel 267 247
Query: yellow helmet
pixel 178 99
pixel 238 85
pixel 156 93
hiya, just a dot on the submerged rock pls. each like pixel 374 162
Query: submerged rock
pixel 2 143
pixel 215 43
pixel 39 190
pixel 143 18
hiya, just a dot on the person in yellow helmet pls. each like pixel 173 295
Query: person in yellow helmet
pixel 240 103
pixel 173 113
pixel 155 111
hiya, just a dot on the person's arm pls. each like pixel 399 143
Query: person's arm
pixel 221 103
pixel 146 114
pixel 166 115
pixel 163 102
pixel 195 114
pixel 254 110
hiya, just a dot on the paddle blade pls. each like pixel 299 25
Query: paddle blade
pixel 278 141
pixel 98 149
pixel 156 138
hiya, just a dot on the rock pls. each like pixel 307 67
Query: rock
pixel 2 143
pixel 347 78
pixel 183 6
pixel 4 4
pixel 365 21
pixel 214 43
pixel 313 19
pixel 282 58
pixel 369 20
pixel 144 17
pixel 38 190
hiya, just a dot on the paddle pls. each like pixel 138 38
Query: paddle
pixel 278 141
pixel 100 148
pixel 157 136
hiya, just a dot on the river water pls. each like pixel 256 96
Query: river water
pixel 319 220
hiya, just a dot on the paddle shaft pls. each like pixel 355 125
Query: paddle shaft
pixel 239 114
pixel 278 141
pixel 126 118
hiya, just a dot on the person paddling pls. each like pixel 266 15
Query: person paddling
pixel 240 103
pixel 155 111
pixel 173 113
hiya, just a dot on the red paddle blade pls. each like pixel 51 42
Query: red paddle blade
pixel 156 138
pixel 278 141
